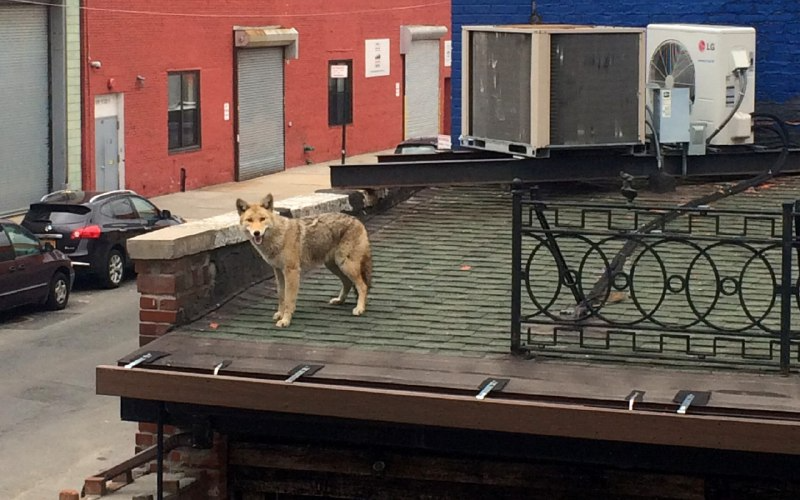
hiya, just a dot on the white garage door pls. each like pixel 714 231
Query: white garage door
pixel 24 106
pixel 422 89
pixel 260 114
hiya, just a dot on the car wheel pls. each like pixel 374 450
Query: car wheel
pixel 114 271
pixel 59 292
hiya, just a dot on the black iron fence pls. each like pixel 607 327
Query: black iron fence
pixel 667 285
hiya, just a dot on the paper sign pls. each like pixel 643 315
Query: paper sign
pixel 376 53
pixel 339 71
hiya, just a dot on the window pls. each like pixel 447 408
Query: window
pixel 119 209
pixel 184 110
pixel 23 241
pixel 146 210
pixel 6 250
pixel 340 92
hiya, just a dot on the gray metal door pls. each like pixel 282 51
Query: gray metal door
pixel 260 112
pixel 106 154
pixel 24 106
pixel 422 89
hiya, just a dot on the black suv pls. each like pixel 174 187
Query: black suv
pixel 93 228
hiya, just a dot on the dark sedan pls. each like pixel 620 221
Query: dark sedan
pixel 31 272
pixel 93 228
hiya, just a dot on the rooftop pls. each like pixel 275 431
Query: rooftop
pixel 438 325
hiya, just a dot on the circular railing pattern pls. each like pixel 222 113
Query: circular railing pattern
pixel 666 282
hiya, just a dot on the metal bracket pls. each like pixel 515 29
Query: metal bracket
pixel 688 398
pixel 302 371
pixel 222 364
pixel 636 396
pixel 685 404
pixel 489 385
pixel 146 358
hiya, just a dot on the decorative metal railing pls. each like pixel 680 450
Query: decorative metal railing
pixel 682 286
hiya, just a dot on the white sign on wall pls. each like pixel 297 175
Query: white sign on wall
pixel 339 71
pixel 376 53
pixel 448 53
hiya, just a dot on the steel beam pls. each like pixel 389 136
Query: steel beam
pixel 434 170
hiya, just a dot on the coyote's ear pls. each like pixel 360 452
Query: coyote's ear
pixel 241 206
pixel 267 202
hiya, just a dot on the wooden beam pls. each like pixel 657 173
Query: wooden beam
pixel 496 413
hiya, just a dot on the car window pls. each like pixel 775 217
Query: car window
pixel 6 250
pixel 23 241
pixel 119 209
pixel 58 215
pixel 145 209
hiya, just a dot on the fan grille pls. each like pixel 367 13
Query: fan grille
pixel 671 66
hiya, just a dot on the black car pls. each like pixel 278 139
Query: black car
pixel 93 228
pixel 31 272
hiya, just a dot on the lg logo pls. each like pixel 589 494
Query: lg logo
pixel 703 46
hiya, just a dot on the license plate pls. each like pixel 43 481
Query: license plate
pixel 51 242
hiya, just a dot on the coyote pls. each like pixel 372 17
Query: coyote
pixel 290 246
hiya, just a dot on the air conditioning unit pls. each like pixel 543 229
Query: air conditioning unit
pixel 717 65
pixel 527 89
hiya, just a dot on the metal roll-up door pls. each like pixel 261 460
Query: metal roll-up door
pixel 260 115
pixel 24 106
pixel 422 89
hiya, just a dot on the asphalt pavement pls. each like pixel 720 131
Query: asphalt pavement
pixel 54 429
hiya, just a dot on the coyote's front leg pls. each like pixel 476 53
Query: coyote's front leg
pixel 291 285
pixel 280 283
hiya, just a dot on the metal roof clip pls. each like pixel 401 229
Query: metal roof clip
pixel 138 361
pixel 146 358
pixel 489 385
pixel 302 371
pixel 222 364
pixel 689 398
pixel 636 396
pixel 685 404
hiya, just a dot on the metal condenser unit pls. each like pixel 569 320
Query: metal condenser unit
pixel 528 89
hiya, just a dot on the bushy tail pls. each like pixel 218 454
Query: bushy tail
pixel 366 268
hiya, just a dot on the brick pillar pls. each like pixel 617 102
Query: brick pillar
pixel 172 292
pixel 183 273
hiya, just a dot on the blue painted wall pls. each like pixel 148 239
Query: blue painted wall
pixel 777 24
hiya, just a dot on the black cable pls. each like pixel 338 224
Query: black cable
pixel 599 292
pixel 741 75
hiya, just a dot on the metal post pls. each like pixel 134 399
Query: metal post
pixel 160 452
pixel 564 273
pixel 344 141
pixel 516 264
pixel 786 286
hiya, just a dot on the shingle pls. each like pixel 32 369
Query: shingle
pixel 442 281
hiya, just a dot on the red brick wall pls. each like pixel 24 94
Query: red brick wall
pixel 152 37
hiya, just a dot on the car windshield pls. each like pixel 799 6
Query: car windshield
pixel 57 214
